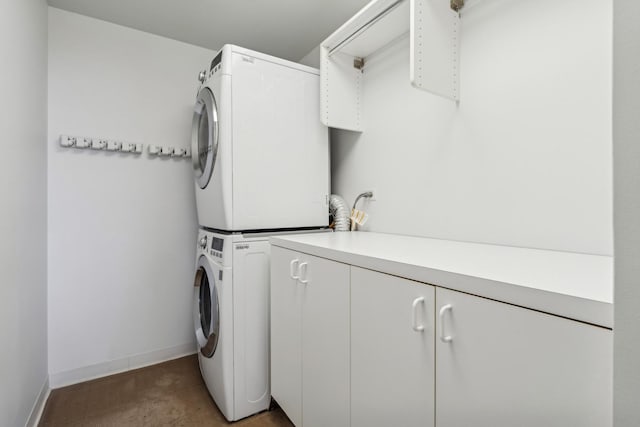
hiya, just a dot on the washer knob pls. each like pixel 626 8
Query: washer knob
pixel 203 242
pixel 202 76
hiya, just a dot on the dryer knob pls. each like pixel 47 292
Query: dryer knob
pixel 202 76
pixel 203 242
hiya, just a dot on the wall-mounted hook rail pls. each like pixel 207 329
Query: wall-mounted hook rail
pixel 83 143
pixel 69 141
pixel 160 151
pixel 98 144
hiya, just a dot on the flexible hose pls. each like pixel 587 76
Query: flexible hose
pixel 339 209
pixel 366 194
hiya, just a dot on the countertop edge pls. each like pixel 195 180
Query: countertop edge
pixel 594 312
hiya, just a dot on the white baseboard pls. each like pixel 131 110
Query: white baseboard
pixel 38 406
pixel 74 376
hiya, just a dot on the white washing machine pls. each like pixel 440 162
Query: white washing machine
pixel 231 319
pixel 259 151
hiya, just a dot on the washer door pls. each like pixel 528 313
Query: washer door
pixel 204 136
pixel 206 310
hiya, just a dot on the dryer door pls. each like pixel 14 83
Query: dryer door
pixel 204 136
pixel 206 310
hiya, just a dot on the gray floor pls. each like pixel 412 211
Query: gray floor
pixel 167 394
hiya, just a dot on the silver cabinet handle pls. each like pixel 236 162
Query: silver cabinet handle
pixel 293 265
pixel 444 338
pixel 303 274
pixel 414 314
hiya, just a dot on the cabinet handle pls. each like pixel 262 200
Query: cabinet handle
pixel 414 315
pixel 294 266
pixel 303 273
pixel 443 310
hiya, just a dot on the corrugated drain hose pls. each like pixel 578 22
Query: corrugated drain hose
pixel 339 209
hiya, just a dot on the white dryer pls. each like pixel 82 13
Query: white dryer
pixel 231 319
pixel 259 151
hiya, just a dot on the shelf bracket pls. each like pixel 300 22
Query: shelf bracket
pixel 456 5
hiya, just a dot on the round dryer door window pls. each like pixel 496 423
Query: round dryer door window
pixel 204 136
pixel 206 310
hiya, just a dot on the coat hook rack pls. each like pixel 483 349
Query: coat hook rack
pixel 69 141
pixel 160 151
pixel 111 145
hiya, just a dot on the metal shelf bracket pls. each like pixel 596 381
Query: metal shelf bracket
pixel 456 5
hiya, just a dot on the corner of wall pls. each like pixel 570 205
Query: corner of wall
pixel 312 59
pixel 39 405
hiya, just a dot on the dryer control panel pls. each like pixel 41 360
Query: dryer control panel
pixel 217 245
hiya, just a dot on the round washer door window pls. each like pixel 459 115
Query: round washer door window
pixel 204 136
pixel 206 310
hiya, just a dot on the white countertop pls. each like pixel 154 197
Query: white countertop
pixel 572 285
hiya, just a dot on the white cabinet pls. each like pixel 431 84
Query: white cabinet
pixel 310 338
pixel 355 347
pixel 509 366
pixel 286 335
pixel 433 27
pixel 392 351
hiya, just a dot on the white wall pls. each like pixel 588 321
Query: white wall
pixel 626 150
pixel 312 59
pixel 524 159
pixel 122 228
pixel 23 211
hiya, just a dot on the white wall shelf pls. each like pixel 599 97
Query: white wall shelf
pixel 433 28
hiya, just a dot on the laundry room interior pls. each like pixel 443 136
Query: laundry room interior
pixel 411 212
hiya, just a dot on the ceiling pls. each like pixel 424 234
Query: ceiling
pixel 284 28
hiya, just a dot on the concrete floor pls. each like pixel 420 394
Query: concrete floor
pixel 167 394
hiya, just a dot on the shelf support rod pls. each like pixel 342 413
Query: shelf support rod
pixel 367 25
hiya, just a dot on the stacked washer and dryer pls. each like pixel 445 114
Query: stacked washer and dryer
pixel 261 162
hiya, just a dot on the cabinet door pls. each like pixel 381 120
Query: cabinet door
pixel 509 366
pixel 325 342
pixel 392 351
pixel 286 334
